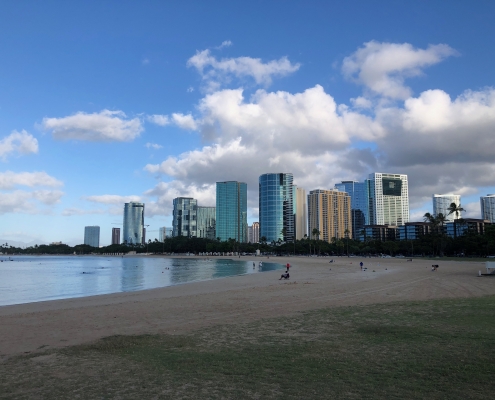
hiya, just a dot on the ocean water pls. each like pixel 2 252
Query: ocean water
pixel 29 279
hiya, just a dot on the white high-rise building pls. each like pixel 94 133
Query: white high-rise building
pixel 301 213
pixel 442 202
pixel 389 199
pixel 92 236
pixel 488 207
pixel 164 233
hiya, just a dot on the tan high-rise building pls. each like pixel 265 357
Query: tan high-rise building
pixel 301 213
pixel 329 211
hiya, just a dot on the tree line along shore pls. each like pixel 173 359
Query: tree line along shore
pixel 471 244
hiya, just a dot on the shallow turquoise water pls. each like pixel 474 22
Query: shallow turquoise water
pixel 29 279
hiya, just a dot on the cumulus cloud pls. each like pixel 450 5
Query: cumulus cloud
pixel 104 126
pixel 18 142
pixel 383 67
pixel 9 179
pixel 153 146
pixel 219 71
pixel 434 129
pixel 444 144
pixel 113 199
pixel 158 119
pixel 20 201
pixel 184 121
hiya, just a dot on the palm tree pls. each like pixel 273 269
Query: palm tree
pixel 456 210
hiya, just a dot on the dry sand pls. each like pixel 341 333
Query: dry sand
pixel 314 283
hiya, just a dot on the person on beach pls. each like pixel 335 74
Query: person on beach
pixel 260 265
pixel 285 275
pixel 254 265
pixel 361 264
pixel 288 266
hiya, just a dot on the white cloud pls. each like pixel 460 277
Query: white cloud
pixel 9 179
pixel 184 121
pixel 221 71
pixel 158 119
pixel 383 67
pixel 190 89
pixel 68 212
pixel 103 126
pixel 145 61
pixel 153 146
pixel 225 43
pixel 18 142
pixel 20 201
pixel 113 199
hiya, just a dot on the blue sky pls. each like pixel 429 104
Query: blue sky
pixel 103 102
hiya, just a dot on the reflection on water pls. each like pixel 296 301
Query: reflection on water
pixel 29 279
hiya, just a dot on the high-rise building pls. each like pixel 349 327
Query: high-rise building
pixel 255 232
pixel 115 235
pixel 231 211
pixel 164 233
pixel 442 202
pixel 92 236
pixel 359 204
pixel 388 199
pixel 185 215
pixel 276 207
pixel 301 208
pixel 143 240
pixel 133 223
pixel 206 222
pixel 488 207
pixel 329 212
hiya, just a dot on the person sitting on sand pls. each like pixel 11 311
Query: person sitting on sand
pixel 285 275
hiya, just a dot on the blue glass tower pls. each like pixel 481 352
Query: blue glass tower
pixel 359 193
pixel 276 207
pixel 133 223
pixel 231 211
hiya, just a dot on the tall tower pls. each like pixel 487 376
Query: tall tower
pixel 276 207
pixel 231 211
pixel 329 211
pixel 185 217
pixel 388 199
pixel 92 236
pixel 359 204
pixel 115 235
pixel 133 223
pixel 488 207
pixel 441 203
pixel 301 213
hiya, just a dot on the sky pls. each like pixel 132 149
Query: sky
pixel 105 102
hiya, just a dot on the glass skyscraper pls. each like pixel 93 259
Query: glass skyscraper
pixel 231 211
pixel 185 216
pixel 359 204
pixel 276 207
pixel 488 207
pixel 206 222
pixel 441 203
pixel 92 236
pixel 133 223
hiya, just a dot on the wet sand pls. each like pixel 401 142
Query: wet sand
pixel 315 283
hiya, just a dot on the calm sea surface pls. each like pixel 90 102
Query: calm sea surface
pixel 28 279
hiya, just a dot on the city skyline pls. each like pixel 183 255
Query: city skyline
pixel 176 98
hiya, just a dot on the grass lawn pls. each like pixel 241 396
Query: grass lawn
pixel 443 349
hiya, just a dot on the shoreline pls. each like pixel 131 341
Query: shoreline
pixel 315 283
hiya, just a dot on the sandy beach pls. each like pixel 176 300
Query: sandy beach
pixel 315 283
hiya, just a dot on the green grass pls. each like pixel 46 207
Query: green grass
pixel 441 349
